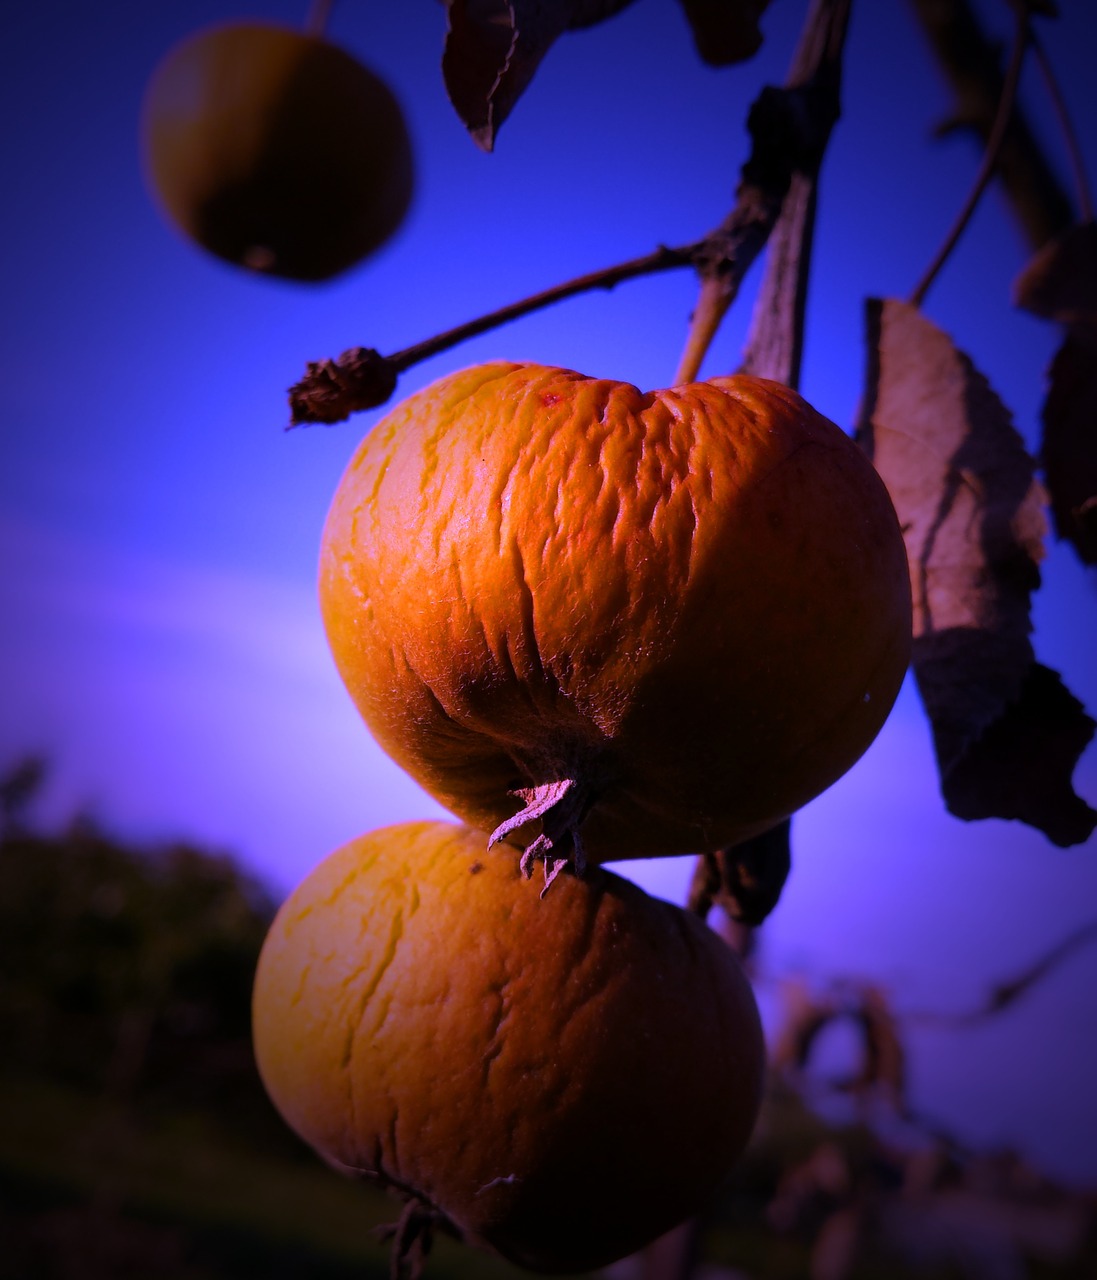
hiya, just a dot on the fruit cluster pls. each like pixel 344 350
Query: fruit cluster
pixel 599 624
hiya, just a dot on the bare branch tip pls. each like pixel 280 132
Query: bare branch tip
pixel 332 390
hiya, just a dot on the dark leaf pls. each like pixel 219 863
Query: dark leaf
pixel 493 47
pixel 1068 450
pixel 725 31
pixel 1022 765
pixel 1060 281
pixel 1007 734
pixel 745 880
pixel 588 13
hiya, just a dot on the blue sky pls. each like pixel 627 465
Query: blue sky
pixel 159 636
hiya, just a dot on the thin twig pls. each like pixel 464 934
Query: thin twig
pixel 1066 124
pixel 662 259
pixel 971 63
pixel 713 300
pixel 1003 994
pixel 789 128
pixel 361 378
pixel 990 159
pixel 316 22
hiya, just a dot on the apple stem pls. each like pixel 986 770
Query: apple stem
pixel 412 1238
pixel 316 22
pixel 715 297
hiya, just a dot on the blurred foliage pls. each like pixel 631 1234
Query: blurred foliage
pixel 136 1139
pixel 119 968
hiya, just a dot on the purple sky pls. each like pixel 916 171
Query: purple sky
pixel 159 637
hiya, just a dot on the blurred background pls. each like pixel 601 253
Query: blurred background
pixel 160 644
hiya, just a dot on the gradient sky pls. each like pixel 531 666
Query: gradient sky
pixel 159 635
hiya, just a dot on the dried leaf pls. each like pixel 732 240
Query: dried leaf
pixel 1068 450
pixel 883 1066
pixel 725 31
pixel 1006 732
pixel 745 880
pixel 1060 281
pixel 1021 766
pixel 804 1017
pixel 493 47
pixel 881 1069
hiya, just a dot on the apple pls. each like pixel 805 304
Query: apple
pixel 276 150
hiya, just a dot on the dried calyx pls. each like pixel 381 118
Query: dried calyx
pixel 561 806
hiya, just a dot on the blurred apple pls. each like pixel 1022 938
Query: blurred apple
pixel 276 150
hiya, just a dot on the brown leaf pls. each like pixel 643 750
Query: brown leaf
pixel 1060 281
pixel 804 1016
pixel 745 880
pixel 493 47
pixel 1007 733
pixel 1068 450
pixel 1021 765
pixel 881 1068
pixel 725 31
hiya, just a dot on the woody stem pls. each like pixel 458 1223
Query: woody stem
pixel 316 21
pixel 790 128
